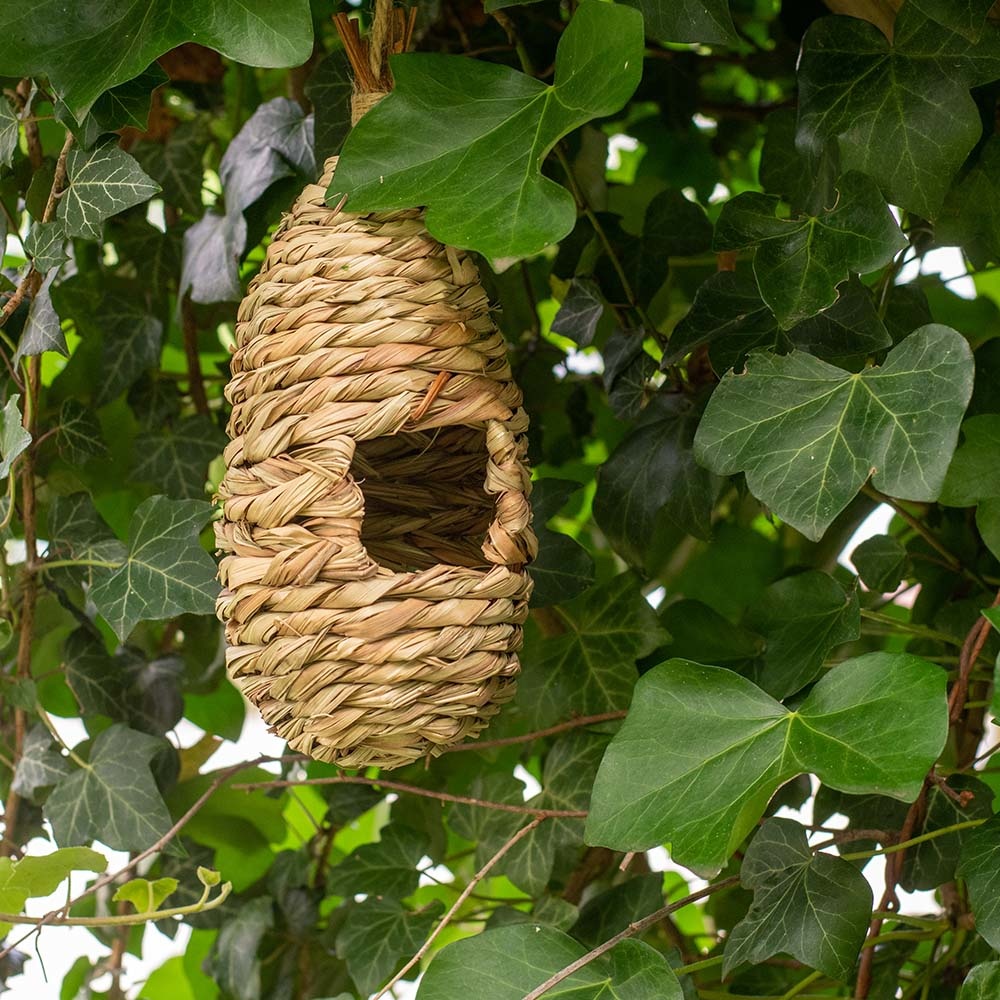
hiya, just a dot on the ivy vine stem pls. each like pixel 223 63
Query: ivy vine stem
pixel 636 927
pixel 457 905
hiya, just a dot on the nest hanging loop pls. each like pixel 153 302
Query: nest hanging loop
pixel 376 525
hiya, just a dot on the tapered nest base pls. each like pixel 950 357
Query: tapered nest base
pixel 376 524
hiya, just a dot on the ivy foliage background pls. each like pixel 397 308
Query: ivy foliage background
pixel 713 232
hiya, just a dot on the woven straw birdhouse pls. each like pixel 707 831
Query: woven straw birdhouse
pixel 376 524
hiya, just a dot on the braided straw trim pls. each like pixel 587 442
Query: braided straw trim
pixel 376 523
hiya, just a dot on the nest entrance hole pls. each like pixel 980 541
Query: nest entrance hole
pixel 425 498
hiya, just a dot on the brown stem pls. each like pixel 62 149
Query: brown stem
pixel 971 649
pixel 893 870
pixel 538 734
pixel 636 927
pixel 456 906
pixel 427 793
pixel 196 383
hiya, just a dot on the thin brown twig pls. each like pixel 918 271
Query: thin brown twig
pixel 889 901
pixel 561 727
pixel 457 905
pixel 196 382
pixel 53 917
pixel 971 649
pixel 636 927
pixel 427 793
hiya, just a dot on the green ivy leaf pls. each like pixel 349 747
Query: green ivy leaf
pixel 234 964
pixel 706 22
pixel 967 17
pixel 45 244
pixel 113 797
pixel 35 876
pixel 982 982
pixel 14 439
pixel 177 459
pixel 653 474
pixel 913 122
pixel 126 105
pixel 563 568
pixel 933 862
pixel 41 765
pixel 144 895
pixel 729 315
pixel 176 165
pixel 377 934
pixel 9 132
pixel 329 89
pixel 510 962
pixel 802 618
pixel 880 562
pixel 814 907
pixel 731 746
pixel 77 531
pixel 385 868
pixel 974 473
pixel 808 435
pixel 166 571
pixel 580 312
pixel 79 436
pixel 85 52
pixel 591 668
pixel 800 261
pixel 93 676
pixel 606 914
pixel 42 329
pixel 479 133
pixel 971 214
pixel 103 181
pixel 979 865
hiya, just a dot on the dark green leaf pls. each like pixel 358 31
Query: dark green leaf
pixel 706 21
pixel 478 133
pixel 329 88
pixel 177 459
pixel 41 765
pixel 800 261
pixel 14 439
pixel 802 618
pixel 385 868
pixel 46 245
pixel 85 52
pixel 9 132
pixel 126 105
pixel 813 907
pixel 42 330
pixel 971 214
pixel 980 867
pixel 176 164
pixel 112 798
pixel 563 568
pixel 731 746
pixel 234 963
pixel 912 122
pixel 606 914
pixel 591 668
pixel 510 962
pixel 880 562
pixel 102 182
pixel 166 571
pixel 653 473
pixel 933 862
pixel 974 473
pixel 982 982
pixel 580 312
pixel 93 676
pixel 808 435
pixel 376 935
pixel 78 437
pixel 964 16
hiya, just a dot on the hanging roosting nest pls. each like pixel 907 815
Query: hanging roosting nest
pixel 376 523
